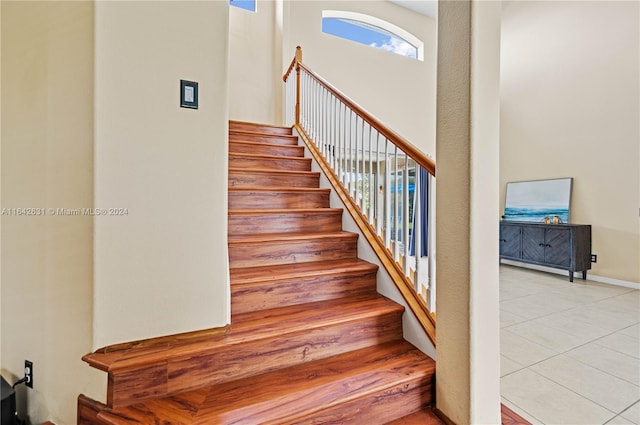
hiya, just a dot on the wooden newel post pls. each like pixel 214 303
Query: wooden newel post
pixel 298 62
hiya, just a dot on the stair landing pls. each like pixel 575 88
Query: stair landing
pixel 323 391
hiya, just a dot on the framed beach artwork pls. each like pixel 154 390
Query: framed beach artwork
pixel 543 201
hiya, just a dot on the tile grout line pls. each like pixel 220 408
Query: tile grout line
pixel 613 348
pixel 584 397
pixel 629 407
pixel 594 341
pixel 565 352
pixel 564 310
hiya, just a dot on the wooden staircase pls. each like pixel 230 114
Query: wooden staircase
pixel 311 341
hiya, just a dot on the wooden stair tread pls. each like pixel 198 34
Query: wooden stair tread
pixel 256 143
pixel 248 275
pixel 263 324
pixel 275 189
pixel 268 128
pixel 289 394
pixel 266 148
pixel 272 178
pixel 266 139
pixel 262 137
pixel 422 417
pixel 279 172
pixel 252 197
pixel 259 133
pixel 265 156
pixel 285 220
pixel 267 249
pixel 301 317
pixel 271 162
pixel 277 211
pixel 262 288
pixel 286 237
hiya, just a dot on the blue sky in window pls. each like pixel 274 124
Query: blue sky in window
pixel 368 35
pixel 244 4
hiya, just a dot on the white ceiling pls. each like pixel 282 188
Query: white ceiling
pixel 424 7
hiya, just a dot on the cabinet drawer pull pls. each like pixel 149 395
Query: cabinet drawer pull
pixel 540 244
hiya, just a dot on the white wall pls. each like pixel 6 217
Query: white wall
pixel 255 77
pixel 47 162
pixel 569 108
pixel 397 90
pixel 162 269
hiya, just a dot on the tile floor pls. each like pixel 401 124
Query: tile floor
pixel 570 352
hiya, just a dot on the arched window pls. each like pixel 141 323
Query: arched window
pixel 244 4
pixel 372 31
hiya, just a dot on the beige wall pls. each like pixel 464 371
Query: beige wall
pixel 47 162
pixel 255 77
pixel 397 90
pixel 161 269
pixel 468 347
pixel 570 108
pixel 1 203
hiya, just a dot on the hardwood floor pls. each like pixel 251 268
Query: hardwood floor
pixel 311 341
pixel 509 417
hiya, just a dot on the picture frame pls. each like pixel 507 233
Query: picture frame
pixel 543 201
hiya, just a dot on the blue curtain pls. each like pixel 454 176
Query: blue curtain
pixel 423 184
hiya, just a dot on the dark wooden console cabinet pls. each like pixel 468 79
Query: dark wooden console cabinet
pixel 561 246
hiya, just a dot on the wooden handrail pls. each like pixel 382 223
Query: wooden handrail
pixel 296 59
pixel 286 74
pixel 402 143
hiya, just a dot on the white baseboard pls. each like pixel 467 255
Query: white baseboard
pixel 576 275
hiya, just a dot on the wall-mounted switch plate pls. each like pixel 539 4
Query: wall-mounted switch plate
pixel 594 258
pixel 188 94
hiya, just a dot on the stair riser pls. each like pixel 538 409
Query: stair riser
pixel 264 138
pixel 270 163
pixel 269 355
pixel 129 387
pixel 251 224
pixel 329 398
pixel 279 252
pixel 243 360
pixel 257 128
pixel 377 408
pixel 276 200
pixel 258 179
pixel 273 293
pixel 259 149
pixel 88 410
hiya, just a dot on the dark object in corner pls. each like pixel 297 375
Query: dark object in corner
pixel 8 403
